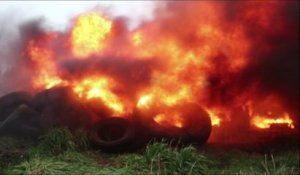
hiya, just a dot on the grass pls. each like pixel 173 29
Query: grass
pixel 60 152
pixel 57 141
pixel 160 158
pixel 166 160
pixel 243 163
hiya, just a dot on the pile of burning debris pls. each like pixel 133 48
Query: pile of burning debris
pixel 125 86
pixel 24 115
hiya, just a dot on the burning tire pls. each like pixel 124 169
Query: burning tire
pixel 193 125
pixel 198 125
pixel 9 102
pixel 113 134
pixel 58 107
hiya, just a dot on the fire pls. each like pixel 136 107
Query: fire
pixel 169 120
pixel 144 101
pixel 137 38
pixel 99 88
pixel 269 111
pixel 89 34
pixel 203 59
pixel 215 119
pixel 164 96
pixel 48 81
pixel 46 68
pixel 264 122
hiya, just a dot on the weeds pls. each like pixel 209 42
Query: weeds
pixel 81 140
pixel 239 163
pixel 57 141
pixel 61 152
pixel 160 158
pixel 271 167
pixel 65 164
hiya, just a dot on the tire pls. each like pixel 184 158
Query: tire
pixel 59 108
pixel 199 124
pixel 48 97
pixel 9 102
pixel 196 130
pixel 113 134
pixel 22 122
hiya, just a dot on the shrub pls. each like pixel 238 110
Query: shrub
pixel 55 142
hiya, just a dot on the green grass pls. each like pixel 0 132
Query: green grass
pixel 58 141
pixel 160 158
pixel 243 163
pixel 60 152
pixel 166 160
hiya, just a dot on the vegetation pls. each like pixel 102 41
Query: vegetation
pixel 60 152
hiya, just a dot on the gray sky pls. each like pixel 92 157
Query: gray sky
pixel 59 13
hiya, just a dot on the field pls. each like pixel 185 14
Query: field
pixel 60 152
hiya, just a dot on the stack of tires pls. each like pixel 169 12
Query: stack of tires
pixel 116 134
pixel 24 115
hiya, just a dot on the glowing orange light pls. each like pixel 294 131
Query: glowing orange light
pixel 215 120
pixel 89 34
pixel 47 81
pixel 169 120
pixel 137 38
pixel 99 87
pixel 144 101
pixel 164 96
pixel 46 68
pixel 183 58
pixel 264 122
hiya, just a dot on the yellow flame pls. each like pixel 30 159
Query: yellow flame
pixel 89 34
pixel 93 88
pixel 137 38
pixel 264 122
pixel 163 96
pixel 215 119
pixel 144 101
pixel 48 81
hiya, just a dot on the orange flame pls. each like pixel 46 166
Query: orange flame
pixel 265 122
pixel 169 120
pixel 47 72
pixel 184 57
pixel 99 88
pixel 164 96
pixel 215 119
